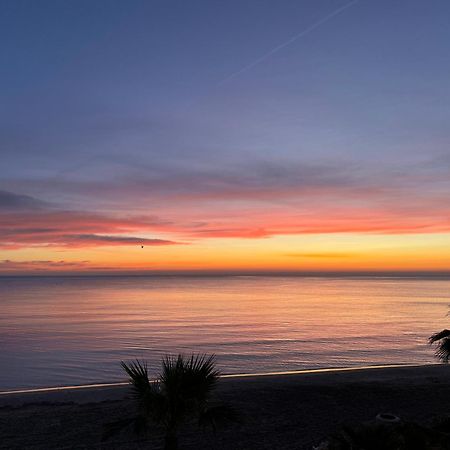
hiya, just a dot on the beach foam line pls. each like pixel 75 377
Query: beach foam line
pixel 324 370
pixel 234 375
pixel 64 388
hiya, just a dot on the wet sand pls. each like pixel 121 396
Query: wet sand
pixel 289 411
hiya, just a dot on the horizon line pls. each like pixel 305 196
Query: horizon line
pixel 244 272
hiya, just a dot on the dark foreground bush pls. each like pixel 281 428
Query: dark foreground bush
pixel 380 436
pixel 180 394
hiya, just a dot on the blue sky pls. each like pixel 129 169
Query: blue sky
pixel 106 102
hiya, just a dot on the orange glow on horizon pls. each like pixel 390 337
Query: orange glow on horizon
pixel 325 252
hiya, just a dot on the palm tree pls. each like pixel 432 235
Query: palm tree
pixel 442 340
pixel 182 391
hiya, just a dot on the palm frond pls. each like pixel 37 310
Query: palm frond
pixel 204 365
pixel 194 376
pixel 137 372
pixel 443 345
pixel 443 350
pixel 152 401
pixel 181 391
pixel 438 336
pixel 201 376
pixel 172 374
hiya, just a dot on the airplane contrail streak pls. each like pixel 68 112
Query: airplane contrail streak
pixel 288 42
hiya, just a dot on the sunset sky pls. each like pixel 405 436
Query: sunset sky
pixel 228 135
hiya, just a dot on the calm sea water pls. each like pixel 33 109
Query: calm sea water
pixel 60 331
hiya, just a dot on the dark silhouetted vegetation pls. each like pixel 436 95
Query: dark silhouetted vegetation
pixel 378 436
pixel 442 341
pixel 181 393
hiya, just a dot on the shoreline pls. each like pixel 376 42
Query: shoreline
pixel 100 385
pixel 293 410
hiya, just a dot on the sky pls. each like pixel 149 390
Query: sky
pixel 224 135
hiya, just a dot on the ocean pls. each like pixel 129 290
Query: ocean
pixel 57 331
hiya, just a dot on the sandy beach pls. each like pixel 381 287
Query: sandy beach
pixel 290 411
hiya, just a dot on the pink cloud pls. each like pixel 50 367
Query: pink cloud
pixel 74 230
pixel 28 222
pixel 7 265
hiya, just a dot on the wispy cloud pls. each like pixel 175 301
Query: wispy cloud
pixel 7 265
pixel 136 185
pixel 55 228
pixel 11 201
pixel 322 255
pixel 250 201
pixel 95 240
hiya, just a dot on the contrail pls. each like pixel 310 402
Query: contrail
pixel 288 42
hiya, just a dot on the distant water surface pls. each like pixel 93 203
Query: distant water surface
pixel 76 330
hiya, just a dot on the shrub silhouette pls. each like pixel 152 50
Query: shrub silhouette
pixel 442 340
pixel 181 392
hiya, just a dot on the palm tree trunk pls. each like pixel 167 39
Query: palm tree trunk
pixel 171 440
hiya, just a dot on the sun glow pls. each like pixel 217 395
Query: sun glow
pixel 325 252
